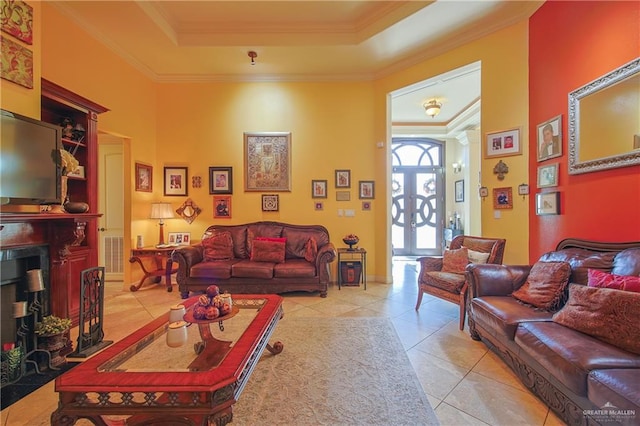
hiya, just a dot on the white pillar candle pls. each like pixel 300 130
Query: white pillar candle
pixel 19 309
pixel 35 281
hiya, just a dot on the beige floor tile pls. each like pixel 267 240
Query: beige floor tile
pixel 410 333
pixel 451 416
pixel 496 403
pixel 437 376
pixel 491 366
pixel 461 351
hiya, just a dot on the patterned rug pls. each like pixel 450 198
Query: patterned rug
pixel 335 371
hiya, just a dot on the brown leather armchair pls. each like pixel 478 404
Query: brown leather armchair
pixel 453 286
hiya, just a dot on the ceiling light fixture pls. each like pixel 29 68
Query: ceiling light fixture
pixel 253 55
pixel 432 108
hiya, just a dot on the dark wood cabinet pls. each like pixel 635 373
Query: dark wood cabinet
pixel 78 250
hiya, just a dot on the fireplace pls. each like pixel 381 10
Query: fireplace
pixel 14 264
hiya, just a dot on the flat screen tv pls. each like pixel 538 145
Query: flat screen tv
pixel 28 170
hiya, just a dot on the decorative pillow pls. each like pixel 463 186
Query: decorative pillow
pixel 218 247
pixel 267 251
pixel 545 285
pixel 455 260
pixel 478 256
pixel 602 279
pixel 606 314
pixel 310 250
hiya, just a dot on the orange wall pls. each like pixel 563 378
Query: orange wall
pixel 571 44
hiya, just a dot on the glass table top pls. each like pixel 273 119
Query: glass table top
pixel 207 344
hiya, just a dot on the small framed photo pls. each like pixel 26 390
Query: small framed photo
pixel 318 189
pixel 144 177
pixel 548 175
pixel 220 180
pixel 222 207
pixel 318 205
pixel 343 195
pixel 270 202
pixel 550 138
pixel 483 191
pixel 343 178
pixel 502 198
pixel 523 189
pixel 503 144
pixel 547 203
pixel 366 190
pixel 180 238
pixel 459 190
pixel 366 205
pixel 175 181
pixel 79 173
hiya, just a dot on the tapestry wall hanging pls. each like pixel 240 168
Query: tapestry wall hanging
pixel 267 161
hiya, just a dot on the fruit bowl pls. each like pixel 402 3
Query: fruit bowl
pixel 351 240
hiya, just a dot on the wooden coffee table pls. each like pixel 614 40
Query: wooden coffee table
pixel 145 379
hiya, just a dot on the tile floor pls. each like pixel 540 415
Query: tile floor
pixel 466 384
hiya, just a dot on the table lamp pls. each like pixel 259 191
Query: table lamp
pixel 161 211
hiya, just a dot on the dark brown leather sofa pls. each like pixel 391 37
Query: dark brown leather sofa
pixel 582 378
pixel 239 274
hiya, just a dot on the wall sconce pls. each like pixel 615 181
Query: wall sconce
pixel 432 108
pixel 457 167
pixel 161 211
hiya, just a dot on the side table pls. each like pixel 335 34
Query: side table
pixel 345 255
pixel 159 254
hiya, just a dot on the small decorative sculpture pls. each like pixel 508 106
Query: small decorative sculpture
pixel 500 169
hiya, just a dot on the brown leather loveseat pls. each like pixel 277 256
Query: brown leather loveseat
pixel 259 257
pixel 579 353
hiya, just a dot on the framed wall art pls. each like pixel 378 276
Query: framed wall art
pixel 503 144
pixel 550 138
pixel 270 203
pixel 267 161
pixel 548 175
pixel 343 178
pixel 343 195
pixel 144 177
pixel 180 238
pixel 222 207
pixel 318 189
pixel 17 63
pixel 366 205
pixel 318 205
pixel 17 20
pixel 547 203
pixel 175 181
pixel 366 190
pixel 459 190
pixel 220 180
pixel 502 198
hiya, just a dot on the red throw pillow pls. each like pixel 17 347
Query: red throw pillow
pixel 310 250
pixel 267 251
pixel 607 314
pixel 455 260
pixel 545 285
pixel 597 278
pixel 218 247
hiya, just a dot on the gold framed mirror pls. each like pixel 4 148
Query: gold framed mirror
pixel 604 121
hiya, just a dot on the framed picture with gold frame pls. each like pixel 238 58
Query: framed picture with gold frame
pixel 267 161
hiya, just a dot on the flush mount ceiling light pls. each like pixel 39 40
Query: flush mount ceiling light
pixel 253 55
pixel 432 108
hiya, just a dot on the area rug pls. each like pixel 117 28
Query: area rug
pixel 15 392
pixel 334 371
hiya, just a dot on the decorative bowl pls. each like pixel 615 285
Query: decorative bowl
pixel 350 241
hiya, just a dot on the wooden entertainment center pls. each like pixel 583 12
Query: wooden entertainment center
pixel 72 239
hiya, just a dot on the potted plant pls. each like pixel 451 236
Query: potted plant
pixel 51 333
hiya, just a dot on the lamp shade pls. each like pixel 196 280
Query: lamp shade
pixel 161 211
